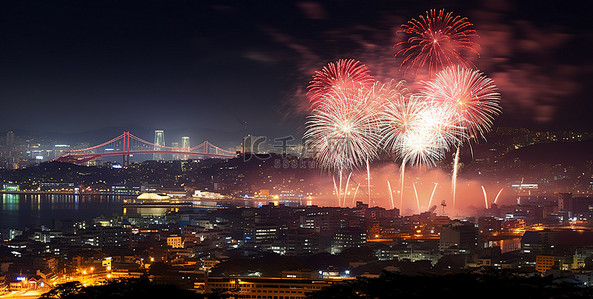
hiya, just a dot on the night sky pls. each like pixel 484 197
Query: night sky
pixel 72 66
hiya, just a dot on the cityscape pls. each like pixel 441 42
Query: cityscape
pixel 215 150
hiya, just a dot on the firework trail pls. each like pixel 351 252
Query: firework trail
pixel 369 181
pixel 336 190
pixel 346 188
pixel 340 189
pixel 497 195
pixel 390 194
pixel 437 40
pixel 401 177
pixel 417 199
pixel 354 197
pixel 343 75
pixel 485 197
pixel 454 176
pixel 432 194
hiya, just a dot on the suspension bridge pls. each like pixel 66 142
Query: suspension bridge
pixel 127 145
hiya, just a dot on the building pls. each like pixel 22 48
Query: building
pixel 265 235
pixel 543 263
pixel 175 145
pixel 548 241
pixel 565 202
pixel 159 141
pixel 192 234
pixel 185 144
pixel 463 235
pixel 582 208
pixel 60 149
pixel 174 241
pixel 264 287
pixel 10 139
pixel 349 237
pixel 107 237
pixel 490 224
pixel 301 241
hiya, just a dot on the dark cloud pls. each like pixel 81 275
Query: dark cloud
pixel 312 10
pixel 522 59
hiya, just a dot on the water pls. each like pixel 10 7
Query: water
pixel 22 210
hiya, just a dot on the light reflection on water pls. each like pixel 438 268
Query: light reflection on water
pixel 21 210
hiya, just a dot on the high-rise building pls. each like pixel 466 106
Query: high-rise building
pixel 565 202
pixel 253 144
pixel 186 146
pixel 10 139
pixel 175 145
pixel 159 141
pixel 462 235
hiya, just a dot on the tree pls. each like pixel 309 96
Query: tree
pixel 64 290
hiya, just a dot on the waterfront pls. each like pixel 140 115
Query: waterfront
pixel 22 210
pixel 19 210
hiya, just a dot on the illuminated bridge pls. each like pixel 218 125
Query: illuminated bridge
pixel 127 144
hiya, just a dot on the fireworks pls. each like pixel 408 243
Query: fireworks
pixel 437 40
pixel 344 75
pixel 343 130
pixel 354 118
pixel 419 131
pixel 473 97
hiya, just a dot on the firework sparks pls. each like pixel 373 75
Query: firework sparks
pixel 437 40
pixel 473 97
pixel 343 130
pixel 417 130
pixel 344 75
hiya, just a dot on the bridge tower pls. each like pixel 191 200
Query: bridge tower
pixel 126 149
pixel 159 140
pixel 186 146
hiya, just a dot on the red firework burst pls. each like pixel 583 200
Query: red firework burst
pixel 343 75
pixel 473 96
pixel 437 40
